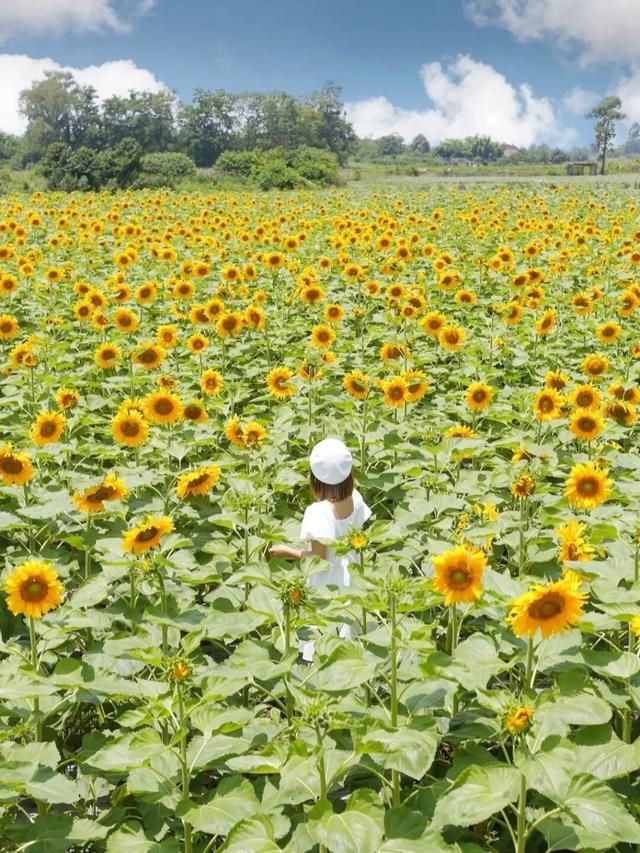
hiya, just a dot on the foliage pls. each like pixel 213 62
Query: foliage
pixel 164 169
pixel 281 168
pixel 607 112
pixel 162 705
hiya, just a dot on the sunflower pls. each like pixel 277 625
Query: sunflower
pixel 451 337
pixel 202 269
pixel 460 431
pixel 48 428
pixel 255 316
pixel 322 336
pixel 125 320
pixel 390 352
pixel 311 294
pixel 253 434
pixel 552 608
pixel 607 333
pixel 149 355
pixel 146 293
pixel 396 391
pixel 231 274
pixel 183 289
pixel 197 343
pixel 130 428
pixel 92 500
pixel 147 535
pixel 8 327
pixel 587 486
pixel 417 385
pixel 458 575
pixel 167 336
pixel 163 407
pixel 595 365
pixel 523 486
pixel 233 431
pixel 195 411
pixel 15 468
pixel 333 313
pixel 478 395
pixel 274 260
pixel 432 323
pixel 585 397
pixel 33 589
pixel 572 546
pixel 278 383
pixel 83 310
pixel 356 384
pixel 198 482
pixel 213 310
pixel 518 719
pixel 66 398
pixel 556 380
pixel 465 297
pixel 107 356
pixel 621 412
pixel 229 324
pixel 628 303
pixel 548 404
pixel 586 424
pixel 513 313
pixel 211 383
pixel 547 322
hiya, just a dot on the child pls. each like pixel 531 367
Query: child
pixel 338 509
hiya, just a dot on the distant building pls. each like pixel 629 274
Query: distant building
pixel 509 150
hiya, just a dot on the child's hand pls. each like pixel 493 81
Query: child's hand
pixel 283 551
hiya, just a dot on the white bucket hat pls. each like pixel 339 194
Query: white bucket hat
pixel 331 461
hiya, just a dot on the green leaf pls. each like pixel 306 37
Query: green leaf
pixel 476 794
pixel 233 800
pixel 52 787
pixel 254 835
pixel 595 807
pixel 409 750
pixel 130 838
pixel 347 666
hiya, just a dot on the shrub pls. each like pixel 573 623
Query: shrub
pixel 164 169
pixel 274 174
pixel 241 164
pixel 316 165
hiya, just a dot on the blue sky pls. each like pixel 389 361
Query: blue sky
pixel 522 70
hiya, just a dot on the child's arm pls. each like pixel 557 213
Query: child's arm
pixel 286 551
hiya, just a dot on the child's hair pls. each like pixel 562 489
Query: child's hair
pixel 326 492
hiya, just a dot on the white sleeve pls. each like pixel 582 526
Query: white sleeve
pixel 316 525
pixel 363 510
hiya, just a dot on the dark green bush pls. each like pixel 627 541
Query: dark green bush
pixel 164 169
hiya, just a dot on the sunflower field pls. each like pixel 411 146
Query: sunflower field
pixel 168 360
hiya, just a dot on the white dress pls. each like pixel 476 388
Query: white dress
pixel 320 524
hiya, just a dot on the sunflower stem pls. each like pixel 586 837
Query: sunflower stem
pixel 367 691
pixel 522 816
pixel 529 664
pixel 184 765
pixel 522 545
pixel 34 663
pixel 87 547
pixel 393 686
pixel 287 649
pixel 363 437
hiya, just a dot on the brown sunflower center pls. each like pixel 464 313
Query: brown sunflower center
pixel 147 534
pixel 130 428
pixel 547 607
pixel 584 399
pixel 197 481
pixel 164 407
pixel 102 493
pixel 460 578
pixel 545 404
pixel 479 396
pixel 47 429
pixel 586 424
pixel 11 465
pixel 34 589
pixel 396 392
pixel 587 486
pixel 148 356
pixel 192 412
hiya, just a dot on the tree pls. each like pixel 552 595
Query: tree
pixel 419 145
pixel 59 110
pixel 607 112
pixel 146 117
pixel 206 126
pixel 390 145
pixel 632 145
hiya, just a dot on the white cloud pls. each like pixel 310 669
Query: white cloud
pixel 40 17
pixel 18 72
pixel 628 90
pixel 579 101
pixel 468 98
pixel 602 30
